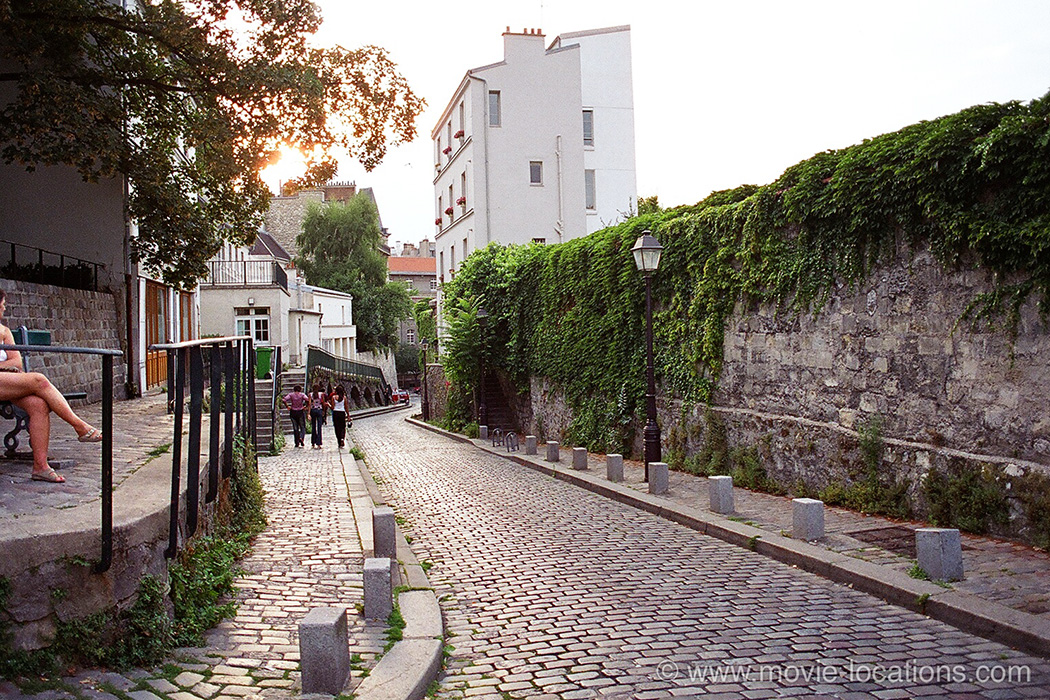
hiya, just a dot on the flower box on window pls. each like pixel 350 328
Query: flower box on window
pixel 437 166
pixel 461 201
pixel 458 134
pixel 448 149
pixel 438 221
pixel 449 211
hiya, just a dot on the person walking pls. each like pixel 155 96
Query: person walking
pixel 318 404
pixel 296 402
pixel 339 418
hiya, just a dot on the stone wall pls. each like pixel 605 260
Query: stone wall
pixel 75 318
pixel 284 219
pixel 796 389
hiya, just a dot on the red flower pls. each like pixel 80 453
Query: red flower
pixel 448 149
pixel 438 221
pixel 449 211
pixel 461 200
pixel 458 134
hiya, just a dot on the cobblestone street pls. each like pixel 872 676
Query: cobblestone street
pixel 554 592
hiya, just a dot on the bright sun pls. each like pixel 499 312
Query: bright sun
pixel 290 164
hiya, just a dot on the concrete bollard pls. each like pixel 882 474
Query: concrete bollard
pixel 553 453
pixel 720 492
pixel 658 478
pixel 939 551
pixel 530 444
pixel 324 651
pixel 807 519
pixel 379 592
pixel 614 467
pixel 579 458
pixel 483 432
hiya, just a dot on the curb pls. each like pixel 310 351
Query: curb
pixel 967 612
pixel 413 663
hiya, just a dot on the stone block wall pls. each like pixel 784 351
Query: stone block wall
pixel 796 389
pixel 75 318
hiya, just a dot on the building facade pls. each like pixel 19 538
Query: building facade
pixel 538 147
pixel 419 275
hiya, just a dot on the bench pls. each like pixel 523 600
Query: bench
pixel 24 336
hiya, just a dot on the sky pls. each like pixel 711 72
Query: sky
pixel 725 93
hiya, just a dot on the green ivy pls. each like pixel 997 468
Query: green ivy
pixel 965 497
pixel 972 187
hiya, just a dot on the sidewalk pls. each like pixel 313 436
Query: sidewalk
pixel 310 555
pixel 1003 596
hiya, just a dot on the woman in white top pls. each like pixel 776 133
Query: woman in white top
pixel 338 403
pixel 38 397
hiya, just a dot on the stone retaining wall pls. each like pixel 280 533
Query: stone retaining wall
pixel 75 318
pixel 796 389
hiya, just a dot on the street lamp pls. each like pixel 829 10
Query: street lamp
pixel 426 404
pixel 647 258
pixel 483 317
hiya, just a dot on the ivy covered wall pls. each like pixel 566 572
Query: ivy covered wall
pixel 762 301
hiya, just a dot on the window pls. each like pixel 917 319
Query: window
pixel 410 336
pixel 441 268
pixel 433 285
pixel 589 194
pixel 541 241
pixel 438 161
pixel 461 120
pixel 494 108
pixel 463 189
pixel 464 248
pixel 449 132
pixel 253 322
pixel 588 127
pixel 536 172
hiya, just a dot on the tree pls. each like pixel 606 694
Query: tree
pixel 426 324
pixel 189 100
pixel 339 249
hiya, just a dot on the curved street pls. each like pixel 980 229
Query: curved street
pixel 549 591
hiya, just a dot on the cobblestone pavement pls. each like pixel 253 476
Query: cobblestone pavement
pixel 310 555
pixel 550 591
pixel 1009 573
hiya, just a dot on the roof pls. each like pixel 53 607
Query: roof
pixel 265 244
pixel 411 266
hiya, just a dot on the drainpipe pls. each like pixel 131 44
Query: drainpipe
pixel 485 148
pixel 559 225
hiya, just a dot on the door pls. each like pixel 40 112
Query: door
pixel 156 332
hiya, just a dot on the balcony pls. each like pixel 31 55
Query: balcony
pixel 245 273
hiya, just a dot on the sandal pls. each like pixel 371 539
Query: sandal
pixel 49 476
pixel 93 435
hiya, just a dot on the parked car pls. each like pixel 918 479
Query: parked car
pixel 401 396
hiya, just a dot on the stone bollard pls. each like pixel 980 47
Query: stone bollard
pixel 324 651
pixel 530 444
pixel 553 454
pixel 807 519
pixel 379 593
pixel 579 458
pixel 939 551
pixel 384 533
pixel 720 492
pixel 614 467
pixel 483 432
pixel 657 477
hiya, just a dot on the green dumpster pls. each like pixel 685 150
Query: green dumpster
pixel 263 354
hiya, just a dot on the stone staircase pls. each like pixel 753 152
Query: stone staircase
pixel 289 378
pixel 264 419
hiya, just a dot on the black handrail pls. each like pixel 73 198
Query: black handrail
pixel 107 436
pixel 230 359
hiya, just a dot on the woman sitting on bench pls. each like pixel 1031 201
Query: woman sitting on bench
pixel 37 396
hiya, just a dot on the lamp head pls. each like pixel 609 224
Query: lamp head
pixel 647 252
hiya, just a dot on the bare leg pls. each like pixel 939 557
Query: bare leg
pixel 39 430
pixel 16 386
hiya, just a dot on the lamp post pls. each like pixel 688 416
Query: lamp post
pixel 483 317
pixel 647 258
pixel 426 404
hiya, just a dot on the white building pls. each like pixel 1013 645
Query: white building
pixel 538 147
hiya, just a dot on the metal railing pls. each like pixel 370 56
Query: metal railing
pixel 230 372
pixel 322 364
pixel 244 273
pixel 30 264
pixel 107 436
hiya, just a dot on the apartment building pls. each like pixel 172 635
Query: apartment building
pixel 538 147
